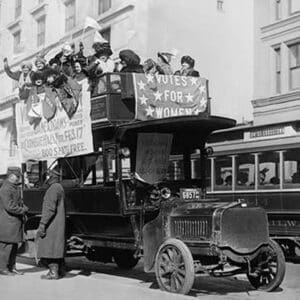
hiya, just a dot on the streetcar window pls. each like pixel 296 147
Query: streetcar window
pixel 291 169
pixel 245 170
pixel 268 170
pixel 223 173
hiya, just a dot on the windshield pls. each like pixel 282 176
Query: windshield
pixel 157 158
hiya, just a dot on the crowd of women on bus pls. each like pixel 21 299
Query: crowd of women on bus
pixel 71 64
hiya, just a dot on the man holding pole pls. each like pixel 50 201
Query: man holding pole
pixel 12 211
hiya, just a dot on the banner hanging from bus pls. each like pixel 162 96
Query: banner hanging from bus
pixel 49 127
pixel 164 96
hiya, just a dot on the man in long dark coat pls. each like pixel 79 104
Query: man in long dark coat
pixel 12 211
pixel 51 231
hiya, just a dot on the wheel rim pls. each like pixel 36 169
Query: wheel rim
pixel 267 269
pixel 171 269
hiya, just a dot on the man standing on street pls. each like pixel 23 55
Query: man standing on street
pixel 12 211
pixel 51 231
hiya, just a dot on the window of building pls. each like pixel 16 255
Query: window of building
pixel 17 41
pixel 245 171
pixel 223 173
pixel 291 168
pixel 278 70
pixel 41 31
pixel 294 66
pixel 268 168
pixel 70 20
pixel 220 5
pixel 18 8
pixel 277 9
pixel 103 6
pixel 294 6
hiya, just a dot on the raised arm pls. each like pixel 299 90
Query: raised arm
pixel 9 72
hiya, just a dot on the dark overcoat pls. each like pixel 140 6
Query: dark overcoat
pixel 11 213
pixel 54 218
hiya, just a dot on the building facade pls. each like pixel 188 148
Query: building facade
pixel 217 33
pixel 276 61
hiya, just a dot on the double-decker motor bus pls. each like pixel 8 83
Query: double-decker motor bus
pixel 261 165
pixel 126 198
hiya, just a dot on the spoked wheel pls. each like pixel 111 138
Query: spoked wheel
pixel 268 268
pixel 174 267
pixel 125 259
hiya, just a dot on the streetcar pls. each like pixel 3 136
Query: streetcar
pixel 261 165
pixel 125 200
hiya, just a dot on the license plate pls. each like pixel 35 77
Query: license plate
pixel 190 194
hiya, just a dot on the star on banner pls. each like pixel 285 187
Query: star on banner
pixel 150 78
pixel 157 95
pixel 141 85
pixel 193 80
pixel 143 100
pixel 149 111
pixel 202 89
pixel 189 97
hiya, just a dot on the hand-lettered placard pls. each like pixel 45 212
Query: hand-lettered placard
pixel 152 160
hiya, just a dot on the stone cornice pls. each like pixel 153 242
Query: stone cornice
pixel 278 99
pixel 39 10
pixel 14 26
pixel 281 28
pixel 11 99
pixel 281 23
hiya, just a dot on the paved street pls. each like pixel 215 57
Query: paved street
pixel 88 280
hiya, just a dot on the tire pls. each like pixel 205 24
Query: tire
pixel 174 267
pixel 125 259
pixel 269 267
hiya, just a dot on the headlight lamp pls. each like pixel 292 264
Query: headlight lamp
pixel 165 193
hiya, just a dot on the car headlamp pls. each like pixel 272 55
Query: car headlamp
pixel 165 193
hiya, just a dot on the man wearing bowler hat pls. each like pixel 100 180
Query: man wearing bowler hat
pixel 12 211
pixel 51 231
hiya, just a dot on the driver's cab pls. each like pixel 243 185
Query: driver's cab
pixel 154 169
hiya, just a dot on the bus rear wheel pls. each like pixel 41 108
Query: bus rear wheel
pixel 125 259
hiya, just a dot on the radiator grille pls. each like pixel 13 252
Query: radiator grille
pixel 191 228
